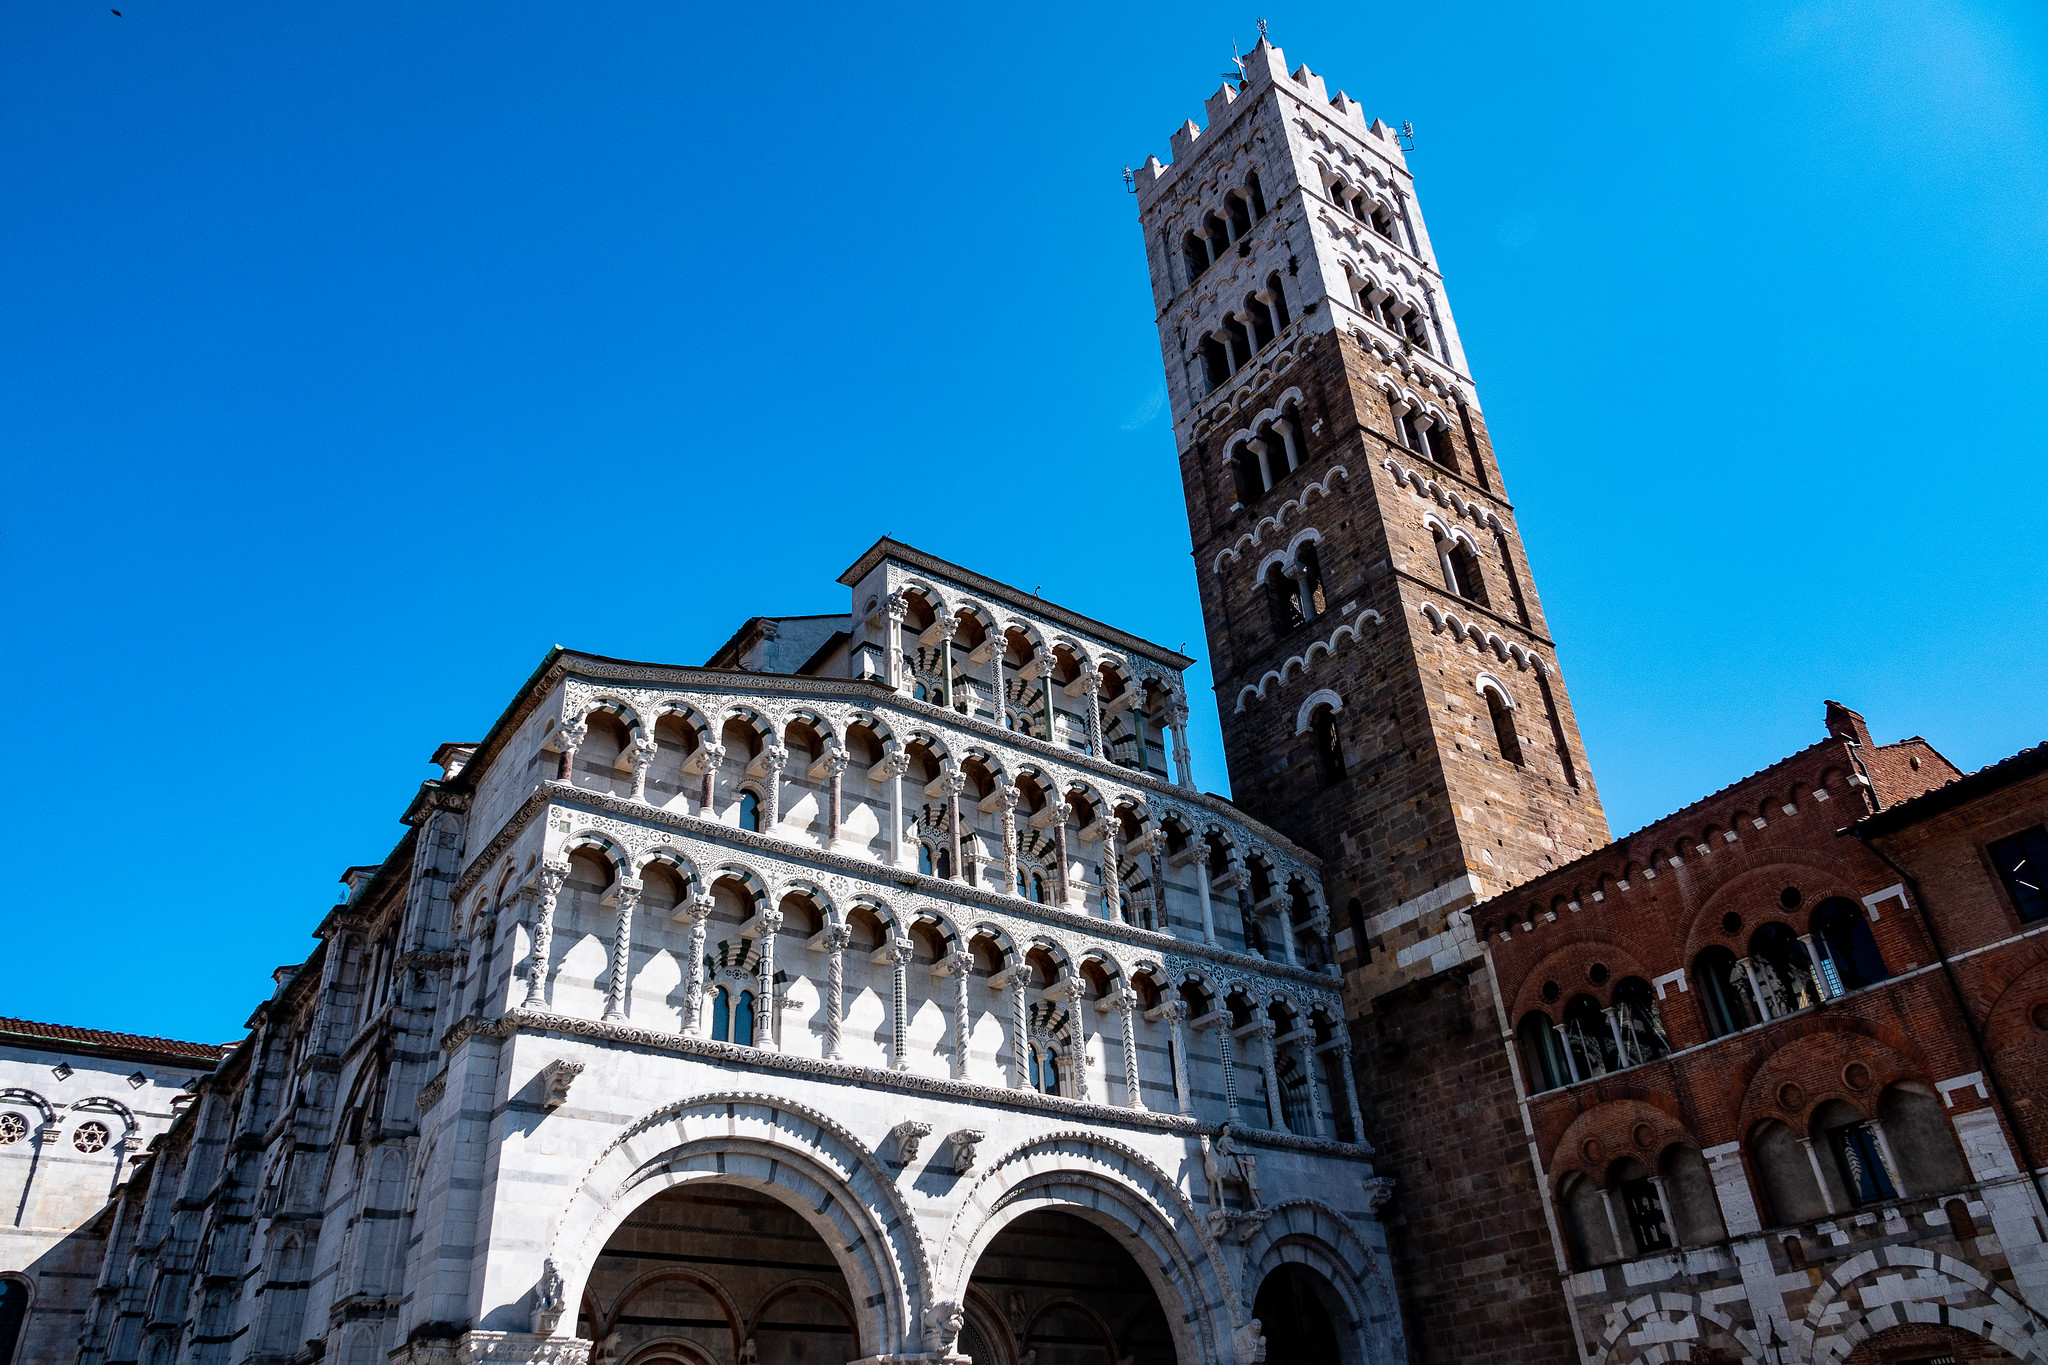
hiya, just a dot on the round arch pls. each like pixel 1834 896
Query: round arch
pixel 791 1153
pixel 1310 1234
pixel 1112 1186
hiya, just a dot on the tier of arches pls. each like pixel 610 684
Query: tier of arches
pixel 963 813
pixel 718 953
pixel 1242 208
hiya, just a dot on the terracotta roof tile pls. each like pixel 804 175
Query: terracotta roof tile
pixel 16 1031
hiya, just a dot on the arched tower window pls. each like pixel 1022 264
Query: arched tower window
pixel 1258 195
pixel 1283 596
pixel 1329 745
pixel 1503 714
pixel 1542 1055
pixel 1849 956
pixel 1196 253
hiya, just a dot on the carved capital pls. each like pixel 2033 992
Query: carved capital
pixel 898 608
pixel 907 1135
pixel 573 733
pixel 837 936
pixel 700 907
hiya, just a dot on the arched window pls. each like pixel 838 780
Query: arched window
pixel 1258 195
pixel 1283 597
pixel 1251 477
pixel 721 1011
pixel 1723 993
pixel 1587 1229
pixel 1784 974
pixel 1437 438
pixel 1639 1022
pixel 1383 223
pixel 743 1020
pixel 944 863
pixel 1587 1035
pixel 1461 567
pixel 924 859
pixel 1276 296
pixel 1642 1206
pixel 1022 889
pixel 1689 1192
pixel 1859 1157
pixel 1313 603
pixel 1416 328
pixel 1849 956
pixel 1215 363
pixel 1238 341
pixel 1196 252
pixel 750 811
pixel 1329 745
pixel 1411 435
pixel 1543 1060
pixel 1219 235
pixel 1038 888
pixel 1240 215
pixel 1502 712
pixel 1260 321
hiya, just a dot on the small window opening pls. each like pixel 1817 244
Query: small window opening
pixel 1504 727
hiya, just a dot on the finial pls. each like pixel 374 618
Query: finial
pixel 1262 32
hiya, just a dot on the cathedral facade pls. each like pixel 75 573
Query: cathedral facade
pixel 885 991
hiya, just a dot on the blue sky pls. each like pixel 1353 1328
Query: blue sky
pixel 356 354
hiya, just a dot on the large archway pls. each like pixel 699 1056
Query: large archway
pixel 1294 1306
pixel 710 1273
pixel 1052 1288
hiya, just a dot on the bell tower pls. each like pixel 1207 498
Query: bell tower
pixel 1390 692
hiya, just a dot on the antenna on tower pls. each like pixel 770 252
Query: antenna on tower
pixel 1406 137
pixel 1130 181
pixel 1262 32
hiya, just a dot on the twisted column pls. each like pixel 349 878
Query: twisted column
pixel 1091 691
pixel 1126 1002
pixel 622 949
pixel 1175 1011
pixel 693 998
pixel 1183 760
pixel 997 644
pixel 552 876
pixel 837 936
pixel 1112 869
pixel 897 954
pixel 644 751
pixel 1020 1028
pixel 960 967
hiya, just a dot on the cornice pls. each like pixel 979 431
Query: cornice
pixel 546 1022
pixel 1165 944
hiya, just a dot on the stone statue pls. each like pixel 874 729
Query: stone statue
pixel 942 1324
pixel 1240 1165
pixel 550 1299
pixel 1250 1341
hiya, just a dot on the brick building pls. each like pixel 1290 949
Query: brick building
pixel 1781 1057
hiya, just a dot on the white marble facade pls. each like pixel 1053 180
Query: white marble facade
pixel 914 951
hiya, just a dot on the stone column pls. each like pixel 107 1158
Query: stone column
pixel 571 737
pixel 835 763
pixel 1613 1223
pixel 893 767
pixel 948 626
pixel 997 646
pixel 1288 947
pixel 1126 1002
pixel 1183 761
pixel 622 949
pixel 1884 1154
pixel 898 608
pixel 711 755
pixel 693 998
pixel 897 955
pixel 1312 1066
pixel 1020 1028
pixel 1571 1059
pixel 1175 1011
pixel 1060 811
pixel 1299 573
pixel 1266 1030
pixel 1202 888
pixel 1827 1197
pixel 766 1019
pixel 1664 1207
pixel 960 967
pixel 1075 988
pixel 777 756
pixel 1614 1028
pixel 1091 690
pixel 552 876
pixel 1052 728
pixel 644 751
pixel 1112 869
pixel 837 936
pixel 1350 1088
pixel 1756 989
pixel 1009 795
pixel 956 782
pixel 1225 1047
